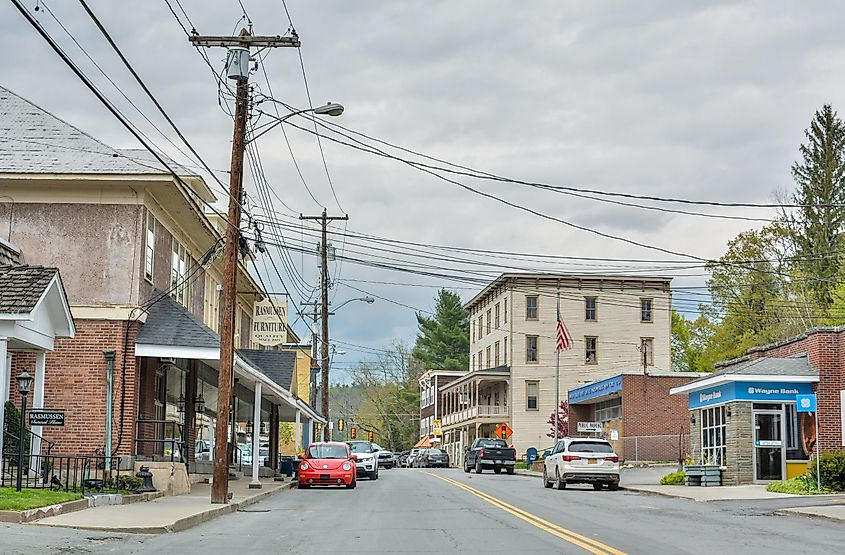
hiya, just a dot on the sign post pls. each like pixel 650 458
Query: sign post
pixel 807 403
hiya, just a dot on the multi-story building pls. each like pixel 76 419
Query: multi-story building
pixel 616 323
pixel 138 253
pixel 431 410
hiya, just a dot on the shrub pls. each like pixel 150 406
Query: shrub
pixel 674 479
pixel 124 482
pixel 800 485
pixel 832 465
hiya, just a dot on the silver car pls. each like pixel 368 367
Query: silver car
pixel 366 458
pixel 582 460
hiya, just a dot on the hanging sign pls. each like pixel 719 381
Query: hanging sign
pixel 269 322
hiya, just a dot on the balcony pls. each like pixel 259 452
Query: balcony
pixel 478 411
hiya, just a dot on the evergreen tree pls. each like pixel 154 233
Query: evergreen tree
pixel 443 340
pixel 820 176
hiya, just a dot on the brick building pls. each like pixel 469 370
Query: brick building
pixel 744 415
pixel 636 413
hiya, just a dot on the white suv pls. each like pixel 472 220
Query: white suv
pixel 582 460
pixel 366 458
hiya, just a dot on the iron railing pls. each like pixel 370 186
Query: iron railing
pixel 59 472
pixel 174 448
pixel 32 436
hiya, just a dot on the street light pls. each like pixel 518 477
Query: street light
pixel 368 300
pixel 329 109
pixel 24 383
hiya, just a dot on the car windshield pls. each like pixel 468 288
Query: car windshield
pixel 492 444
pixel 590 447
pixel 435 452
pixel 327 452
pixel 361 447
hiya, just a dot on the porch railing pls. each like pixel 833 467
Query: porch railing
pixel 161 438
pixel 478 411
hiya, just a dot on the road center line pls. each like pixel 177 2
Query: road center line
pixel 574 538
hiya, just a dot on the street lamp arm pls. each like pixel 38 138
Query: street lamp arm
pixel 330 109
pixel 368 300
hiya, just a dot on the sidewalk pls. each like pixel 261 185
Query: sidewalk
pixel 717 493
pixel 166 514
pixel 831 512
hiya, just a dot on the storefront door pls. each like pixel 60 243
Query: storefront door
pixel 769 460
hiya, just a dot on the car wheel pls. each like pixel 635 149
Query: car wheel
pixel 597 486
pixel 467 468
pixel 497 470
pixel 352 484
pixel 546 482
pixel 510 470
pixel 374 475
pixel 613 487
pixel 559 482
pixel 478 469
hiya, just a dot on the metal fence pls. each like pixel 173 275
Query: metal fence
pixel 663 448
pixel 161 439
pixel 58 472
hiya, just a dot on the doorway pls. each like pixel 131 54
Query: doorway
pixel 769 456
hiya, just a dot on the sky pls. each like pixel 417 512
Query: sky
pixel 684 99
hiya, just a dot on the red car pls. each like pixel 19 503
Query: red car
pixel 327 464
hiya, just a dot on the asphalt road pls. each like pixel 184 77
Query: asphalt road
pixel 448 511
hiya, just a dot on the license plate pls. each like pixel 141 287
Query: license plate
pixel 592 461
pixel 498 462
pixel 325 476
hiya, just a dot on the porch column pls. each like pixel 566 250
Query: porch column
pixel 273 456
pixel 310 431
pixel 256 430
pixel 37 403
pixel 297 432
pixel 5 368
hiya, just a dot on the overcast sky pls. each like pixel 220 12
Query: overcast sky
pixel 703 100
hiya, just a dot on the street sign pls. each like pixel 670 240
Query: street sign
pixel 503 431
pixel 46 417
pixel 805 403
pixel 353 432
pixel 589 427
pixel 341 424
pixel 436 427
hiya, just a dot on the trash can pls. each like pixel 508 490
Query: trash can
pixel 287 466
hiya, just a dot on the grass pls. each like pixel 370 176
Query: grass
pixel 799 485
pixel 522 465
pixel 11 500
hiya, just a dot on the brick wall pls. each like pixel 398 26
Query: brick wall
pixel 75 381
pixel 648 409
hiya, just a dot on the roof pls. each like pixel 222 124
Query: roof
pixel 276 365
pixel 169 323
pixel 508 276
pixel 32 140
pixel 795 368
pixel 10 255
pixel 21 287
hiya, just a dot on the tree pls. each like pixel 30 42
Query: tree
pixel 689 343
pixel 820 176
pixel 563 421
pixel 443 340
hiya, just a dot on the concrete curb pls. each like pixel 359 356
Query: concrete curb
pixel 805 514
pixel 22 517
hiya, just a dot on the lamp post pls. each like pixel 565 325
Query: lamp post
pixel 24 383
pixel 330 109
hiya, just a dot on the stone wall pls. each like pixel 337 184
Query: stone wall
pixel 739 445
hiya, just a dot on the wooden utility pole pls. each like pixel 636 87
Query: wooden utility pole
pixel 238 70
pixel 324 281
pixel 312 383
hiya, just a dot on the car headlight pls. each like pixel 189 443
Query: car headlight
pixel 347 466
pixel 303 466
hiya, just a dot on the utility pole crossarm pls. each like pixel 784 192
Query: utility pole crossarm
pixel 247 41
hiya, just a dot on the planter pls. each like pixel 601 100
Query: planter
pixel 703 475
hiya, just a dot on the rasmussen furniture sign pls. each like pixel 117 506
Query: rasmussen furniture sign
pixel 269 322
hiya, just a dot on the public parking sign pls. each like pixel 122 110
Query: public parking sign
pixel 805 403
pixel 44 417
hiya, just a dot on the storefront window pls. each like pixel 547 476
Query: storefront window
pixel 713 436
pixel 608 410
pixel 799 439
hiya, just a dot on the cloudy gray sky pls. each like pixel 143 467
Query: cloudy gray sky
pixel 703 100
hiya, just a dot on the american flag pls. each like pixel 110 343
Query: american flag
pixel 563 341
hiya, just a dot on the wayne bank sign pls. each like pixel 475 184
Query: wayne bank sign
pixel 747 391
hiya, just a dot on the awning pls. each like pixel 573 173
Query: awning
pixel 424 443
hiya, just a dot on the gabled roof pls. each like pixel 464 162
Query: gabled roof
pixel 10 255
pixel 21 287
pixel 32 140
pixel 795 368
pixel 169 323
pixel 276 365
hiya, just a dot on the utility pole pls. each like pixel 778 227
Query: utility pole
pixel 312 383
pixel 237 63
pixel 324 351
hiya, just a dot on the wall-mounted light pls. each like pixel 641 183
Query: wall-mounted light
pixel 692 418
pixel 180 404
pixel 728 411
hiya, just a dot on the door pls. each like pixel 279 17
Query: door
pixel 768 446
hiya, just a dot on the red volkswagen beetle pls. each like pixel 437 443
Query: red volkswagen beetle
pixel 327 464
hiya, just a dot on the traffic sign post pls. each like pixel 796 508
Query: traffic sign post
pixel 503 431
pixel 807 403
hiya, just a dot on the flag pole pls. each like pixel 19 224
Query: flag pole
pixel 557 378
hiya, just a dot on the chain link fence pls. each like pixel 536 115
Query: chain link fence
pixel 662 448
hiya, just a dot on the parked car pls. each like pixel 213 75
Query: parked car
pixel 409 462
pixel 489 453
pixel 430 458
pixel 327 464
pixel 366 461
pixel 402 459
pixel 202 450
pixel 386 459
pixel 582 460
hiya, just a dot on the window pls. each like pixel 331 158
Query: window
pixel 532 392
pixel 480 327
pixel 212 303
pixel 489 311
pixel 472 329
pixel 496 353
pixel 488 357
pixel 608 410
pixel 713 436
pixel 505 311
pixel 531 307
pixel 590 313
pixel 505 351
pixel 480 360
pixel 149 253
pixel 799 438
pixel 531 354
pixel 647 350
pixel 178 274
pixel 473 362
pixel 646 310
pixel 591 353
pixel 496 322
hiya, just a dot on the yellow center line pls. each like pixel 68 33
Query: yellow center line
pixel 574 538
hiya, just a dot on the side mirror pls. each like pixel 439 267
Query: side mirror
pixel 301 456
pixel 353 457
